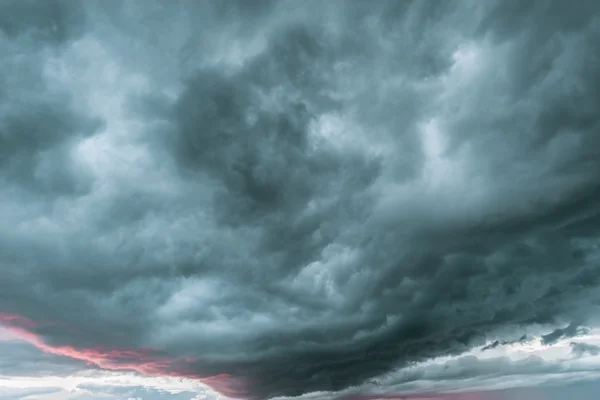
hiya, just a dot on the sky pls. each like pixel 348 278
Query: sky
pixel 299 200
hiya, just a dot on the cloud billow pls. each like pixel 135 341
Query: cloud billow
pixel 338 191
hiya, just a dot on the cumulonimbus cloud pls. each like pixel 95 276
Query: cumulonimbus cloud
pixel 283 197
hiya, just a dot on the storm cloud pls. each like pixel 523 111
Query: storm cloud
pixel 282 197
pixel 23 359
pixel 579 349
pixel 568 332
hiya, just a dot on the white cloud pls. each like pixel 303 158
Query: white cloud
pixel 106 385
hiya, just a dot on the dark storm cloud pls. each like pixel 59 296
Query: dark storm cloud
pixel 303 195
pixel 571 331
pixel 38 124
pixel 497 343
pixel 51 22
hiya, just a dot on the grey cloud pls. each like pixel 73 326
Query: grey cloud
pixel 499 375
pixel 579 349
pixel 470 366
pixel 136 392
pixel 581 390
pixel 497 343
pixel 38 123
pixel 23 393
pixel 23 359
pixel 337 192
pixel 573 330
pixel 96 393
pixel 51 22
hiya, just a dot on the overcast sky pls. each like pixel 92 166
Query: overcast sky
pixel 307 199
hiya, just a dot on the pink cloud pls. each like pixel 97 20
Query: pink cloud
pixel 152 362
pixel 146 361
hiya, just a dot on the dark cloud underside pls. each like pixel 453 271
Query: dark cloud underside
pixel 292 197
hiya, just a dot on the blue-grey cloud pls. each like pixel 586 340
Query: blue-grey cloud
pixel 573 330
pixel 24 393
pixel 287 197
pixel 23 359
pixel 579 349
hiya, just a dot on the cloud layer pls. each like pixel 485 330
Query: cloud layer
pixel 279 198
